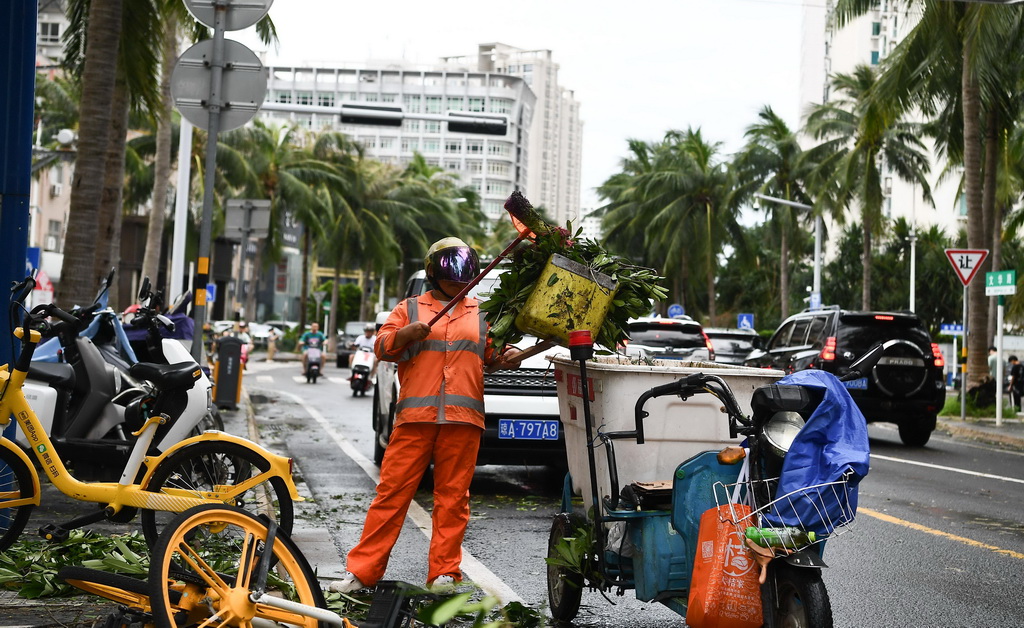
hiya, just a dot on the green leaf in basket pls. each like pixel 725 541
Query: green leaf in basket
pixel 552 279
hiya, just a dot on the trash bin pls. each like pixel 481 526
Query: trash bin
pixel 227 373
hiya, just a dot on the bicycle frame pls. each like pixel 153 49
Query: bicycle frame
pixel 125 493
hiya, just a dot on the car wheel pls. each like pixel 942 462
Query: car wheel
pixel 916 432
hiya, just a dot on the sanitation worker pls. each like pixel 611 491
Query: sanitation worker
pixel 439 417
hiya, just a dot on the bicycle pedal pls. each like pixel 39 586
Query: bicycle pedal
pixel 54 533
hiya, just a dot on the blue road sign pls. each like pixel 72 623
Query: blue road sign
pixel 211 292
pixel 31 259
pixel 952 329
pixel 815 303
pixel 745 321
pixel 675 311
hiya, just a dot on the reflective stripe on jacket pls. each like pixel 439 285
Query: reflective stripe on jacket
pixel 442 376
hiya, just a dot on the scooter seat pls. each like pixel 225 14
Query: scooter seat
pixel 182 375
pixel 59 375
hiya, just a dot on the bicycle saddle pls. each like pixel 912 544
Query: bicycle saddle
pixel 182 375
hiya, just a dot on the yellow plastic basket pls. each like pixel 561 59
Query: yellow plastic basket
pixel 568 296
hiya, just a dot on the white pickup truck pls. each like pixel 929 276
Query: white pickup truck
pixel 521 406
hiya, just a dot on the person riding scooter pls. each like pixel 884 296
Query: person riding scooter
pixel 312 339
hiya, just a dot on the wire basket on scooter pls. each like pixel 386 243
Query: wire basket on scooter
pixel 793 521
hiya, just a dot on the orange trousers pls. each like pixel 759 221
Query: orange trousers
pixel 453 448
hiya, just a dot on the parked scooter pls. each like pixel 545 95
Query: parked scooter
pixel 808 450
pixel 363 361
pixel 314 361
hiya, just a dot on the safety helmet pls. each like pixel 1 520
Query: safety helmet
pixel 451 259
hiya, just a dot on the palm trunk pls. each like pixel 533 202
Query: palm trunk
pixel 784 272
pixel 305 278
pixel 162 164
pixel 710 272
pixel 988 205
pixel 332 325
pixel 104 29
pixel 865 276
pixel 977 360
pixel 108 255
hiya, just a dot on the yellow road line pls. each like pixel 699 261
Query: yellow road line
pixel 947 535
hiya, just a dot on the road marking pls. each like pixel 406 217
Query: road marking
pixel 950 469
pixel 953 537
pixel 338 380
pixel 483 577
pixel 265 379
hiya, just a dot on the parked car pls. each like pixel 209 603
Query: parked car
pixel 905 387
pixel 521 424
pixel 259 332
pixel 352 330
pixel 732 346
pixel 679 338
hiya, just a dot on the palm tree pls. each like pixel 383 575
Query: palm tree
pixel 772 164
pixel 857 136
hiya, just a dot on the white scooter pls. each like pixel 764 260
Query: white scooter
pixel 363 362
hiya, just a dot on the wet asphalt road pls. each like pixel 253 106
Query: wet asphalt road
pixel 939 538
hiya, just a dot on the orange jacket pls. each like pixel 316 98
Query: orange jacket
pixel 442 376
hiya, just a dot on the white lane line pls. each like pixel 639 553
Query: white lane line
pixel 301 379
pixel 265 379
pixel 481 576
pixel 951 469
pixel 338 380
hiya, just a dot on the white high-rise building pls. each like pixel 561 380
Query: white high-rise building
pixel 827 51
pixel 555 146
pixel 494 165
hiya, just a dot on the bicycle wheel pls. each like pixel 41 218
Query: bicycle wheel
pixel 15 493
pixel 203 566
pixel 124 590
pixel 218 465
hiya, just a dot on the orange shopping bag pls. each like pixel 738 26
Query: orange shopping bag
pixel 724 591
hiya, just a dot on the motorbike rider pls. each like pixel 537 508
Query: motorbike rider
pixel 440 418
pixel 366 341
pixel 312 339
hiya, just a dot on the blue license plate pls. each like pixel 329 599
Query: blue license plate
pixel 857 384
pixel 527 429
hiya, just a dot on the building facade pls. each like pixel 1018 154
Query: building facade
pixel 827 51
pixel 556 134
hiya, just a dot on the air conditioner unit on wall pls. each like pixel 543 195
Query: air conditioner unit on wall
pixel 56 189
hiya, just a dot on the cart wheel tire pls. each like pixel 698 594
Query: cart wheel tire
pixel 795 597
pixel 565 587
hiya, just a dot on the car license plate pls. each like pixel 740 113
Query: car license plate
pixel 857 384
pixel 527 429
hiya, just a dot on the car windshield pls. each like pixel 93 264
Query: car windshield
pixel 666 335
pixel 860 334
pixel 732 344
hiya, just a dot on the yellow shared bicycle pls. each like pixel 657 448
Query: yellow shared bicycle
pixel 212 468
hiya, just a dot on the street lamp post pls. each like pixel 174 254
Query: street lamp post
pixel 818 229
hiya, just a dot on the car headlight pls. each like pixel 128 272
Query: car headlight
pixel 781 430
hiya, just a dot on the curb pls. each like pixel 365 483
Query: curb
pixel 989 436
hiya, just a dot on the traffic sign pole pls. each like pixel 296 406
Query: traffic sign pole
pixel 963 365
pixel 966 263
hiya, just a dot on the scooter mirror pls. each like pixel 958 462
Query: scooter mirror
pixel 865 363
pixel 144 290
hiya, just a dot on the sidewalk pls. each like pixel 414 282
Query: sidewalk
pixel 1008 435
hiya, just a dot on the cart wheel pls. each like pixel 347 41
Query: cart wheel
pixel 565 586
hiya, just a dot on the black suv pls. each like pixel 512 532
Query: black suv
pixel 906 385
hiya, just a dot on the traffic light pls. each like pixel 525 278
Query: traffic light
pixel 477 124
pixel 376 116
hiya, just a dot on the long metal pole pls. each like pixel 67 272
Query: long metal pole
pixel 963 367
pixel 1000 380
pixel 181 208
pixel 213 105
pixel 818 228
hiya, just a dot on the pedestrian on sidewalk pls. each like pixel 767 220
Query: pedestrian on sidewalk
pixel 439 418
pixel 1016 386
pixel 993 358
pixel 271 344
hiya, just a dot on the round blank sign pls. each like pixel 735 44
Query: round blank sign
pixel 243 84
pixel 238 14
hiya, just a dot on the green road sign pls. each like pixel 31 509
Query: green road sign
pixel 1001 282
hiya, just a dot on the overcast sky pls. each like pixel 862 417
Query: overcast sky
pixel 638 68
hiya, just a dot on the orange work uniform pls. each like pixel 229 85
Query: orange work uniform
pixel 440 418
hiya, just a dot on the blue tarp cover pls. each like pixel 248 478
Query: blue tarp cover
pixel 833 443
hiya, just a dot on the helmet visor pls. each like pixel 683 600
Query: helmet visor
pixel 455 263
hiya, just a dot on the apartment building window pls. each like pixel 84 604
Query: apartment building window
pixel 49 33
pixel 370 98
pixel 433 161
pixel 411 125
pixel 410 144
pixel 284 97
pixel 874 57
pixel 456 103
pixel 499 149
pixel 388 97
pixel 432 146
pixel 305 121
pixel 492 208
pixel 498 187
pixel 476 104
pixel 477 184
pixel 452 164
pixel 433 104
pixel 501 105
pixel 52 241
pixel 412 103
pixel 368 141
pixel 876 29
pixel 474 165
pixel 387 143
pixel 498 168
pixel 325 100
pixel 475 147
pixel 323 122
pixel 303 98
pixel 453 146
pixel 456 81
pixel 431 126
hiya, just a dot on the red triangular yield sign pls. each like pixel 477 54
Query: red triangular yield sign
pixel 966 262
